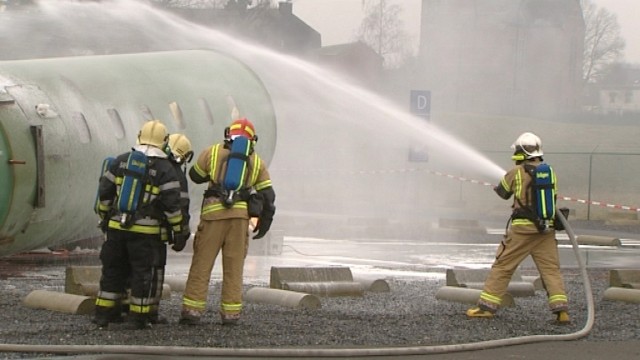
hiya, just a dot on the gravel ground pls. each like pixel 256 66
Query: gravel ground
pixel 408 315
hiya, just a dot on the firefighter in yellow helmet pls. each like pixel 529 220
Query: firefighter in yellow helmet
pixel 134 253
pixel 180 154
pixel 224 219
pixel 525 236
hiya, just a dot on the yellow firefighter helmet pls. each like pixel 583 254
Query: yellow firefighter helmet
pixel 153 133
pixel 180 148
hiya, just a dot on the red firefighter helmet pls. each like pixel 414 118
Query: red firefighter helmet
pixel 241 127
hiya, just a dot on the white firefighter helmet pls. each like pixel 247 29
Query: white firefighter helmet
pixel 528 144
pixel 180 148
pixel 153 133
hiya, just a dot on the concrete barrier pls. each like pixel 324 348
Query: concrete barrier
pixel 474 279
pixel 291 299
pixel 461 224
pixel 176 283
pixel 281 275
pixel 598 240
pixel 535 280
pixel 622 294
pixel 628 218
pixel 321 281
pixel 624 278
pixel 85 281
pixel 82 280
pixel 467 295
pixel 61 302
pixel 270 244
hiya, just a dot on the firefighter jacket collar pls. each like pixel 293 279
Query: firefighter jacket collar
pixel 151 151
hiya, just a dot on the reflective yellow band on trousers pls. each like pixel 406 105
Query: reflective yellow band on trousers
pixel 105 303
pixel 231 308
pixel 490 298
pixel 557 298
pixel 144 309
pixel 198 305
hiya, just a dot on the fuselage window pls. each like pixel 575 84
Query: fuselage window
pixel 233 107
pixel 148 115
pixel 176 113
pixel 82 128
pixel 206 109
pixel 116 121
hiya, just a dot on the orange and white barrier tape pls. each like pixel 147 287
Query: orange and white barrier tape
pixel 560 197
pixel 483 183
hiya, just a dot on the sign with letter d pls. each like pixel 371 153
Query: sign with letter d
pixel 420 103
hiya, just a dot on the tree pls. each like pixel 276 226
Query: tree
pixel 603 44
pixel 383 30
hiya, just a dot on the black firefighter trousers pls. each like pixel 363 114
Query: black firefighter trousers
pixel 132 261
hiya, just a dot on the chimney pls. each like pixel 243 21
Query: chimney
pixel 285 7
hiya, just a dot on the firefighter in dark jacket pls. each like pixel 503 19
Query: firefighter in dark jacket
pixel 524 237
pixel 224 225
pixel 134 253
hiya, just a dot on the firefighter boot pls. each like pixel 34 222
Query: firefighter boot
pixel 105 315
pixel 229 319
pixel 136 321
pixel 189 317
pixel 155 318
pixel 479 312
pixel 562 318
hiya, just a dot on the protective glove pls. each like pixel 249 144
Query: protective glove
pixel 262 227
pixel 103 224
pixel 180 240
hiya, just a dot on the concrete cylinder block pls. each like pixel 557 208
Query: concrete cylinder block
pixel 467 295
pixel 535 280
pixel 61 302
pixel 622 294
pixel 327 289
pixel 372 284
pixel 281 297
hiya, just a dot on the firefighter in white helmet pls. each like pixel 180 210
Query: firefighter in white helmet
pixel 524 236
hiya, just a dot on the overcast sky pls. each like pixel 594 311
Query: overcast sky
pixel 338 20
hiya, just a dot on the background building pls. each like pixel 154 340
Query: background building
pixel 506 57
pixel 276 28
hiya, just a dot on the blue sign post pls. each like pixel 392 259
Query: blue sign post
pixel 420 103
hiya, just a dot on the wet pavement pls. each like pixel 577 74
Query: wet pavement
pixel 399 259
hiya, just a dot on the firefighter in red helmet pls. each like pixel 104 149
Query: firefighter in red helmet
pixel 224 219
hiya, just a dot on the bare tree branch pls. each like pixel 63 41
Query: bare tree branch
pixel 383 30
pixel 603 44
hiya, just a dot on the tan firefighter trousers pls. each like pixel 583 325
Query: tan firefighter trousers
pixel 229 236
pixel 511 252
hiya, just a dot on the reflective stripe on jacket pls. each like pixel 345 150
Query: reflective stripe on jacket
pixel 211 167
pixel 518 183
pixel 160 205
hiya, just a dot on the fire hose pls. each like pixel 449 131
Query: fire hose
pixel 325 352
